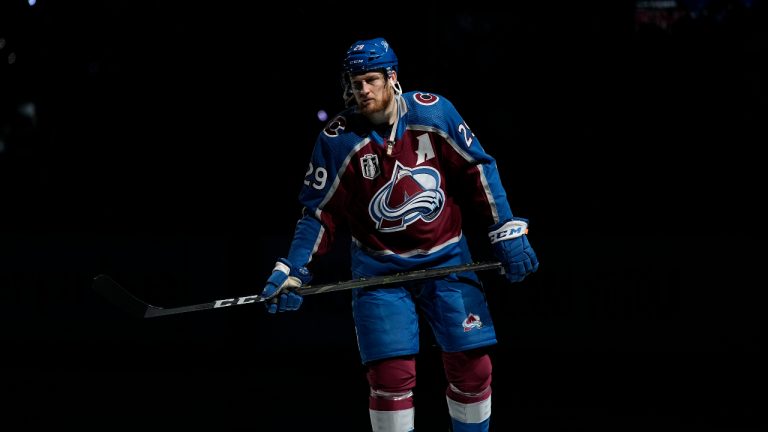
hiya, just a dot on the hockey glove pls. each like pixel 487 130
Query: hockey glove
pixel 511 247
pixel 279 292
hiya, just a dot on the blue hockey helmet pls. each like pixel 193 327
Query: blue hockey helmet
pixel 369 55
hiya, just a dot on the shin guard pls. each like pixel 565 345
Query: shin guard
pixel 391 398
pixel 469 390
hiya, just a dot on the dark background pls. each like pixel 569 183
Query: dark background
pixel 165 143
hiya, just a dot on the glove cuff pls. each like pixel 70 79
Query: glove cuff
pixel 282 267
pixel 513 228
pixel 298 275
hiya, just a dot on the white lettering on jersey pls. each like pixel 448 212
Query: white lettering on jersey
pixel 425 150
pixel 320 176
pixel 464 130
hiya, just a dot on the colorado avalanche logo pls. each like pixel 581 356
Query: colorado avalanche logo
pixel 411 194
pixel 335 126
pixel 472 321
pixel 426 98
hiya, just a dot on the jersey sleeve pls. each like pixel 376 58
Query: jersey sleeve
pixel 478 183
pixel 321 195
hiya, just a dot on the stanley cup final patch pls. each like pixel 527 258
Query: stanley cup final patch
pixel 370 165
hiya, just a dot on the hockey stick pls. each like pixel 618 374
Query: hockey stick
pixel 115 293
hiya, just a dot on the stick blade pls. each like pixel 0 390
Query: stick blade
pixel 118 296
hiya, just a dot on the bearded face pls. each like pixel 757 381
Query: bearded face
pixel 372 92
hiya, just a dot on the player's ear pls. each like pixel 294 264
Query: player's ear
pixel 393 77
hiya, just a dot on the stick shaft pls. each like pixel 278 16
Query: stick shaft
pixel 398 278
pixel 114 292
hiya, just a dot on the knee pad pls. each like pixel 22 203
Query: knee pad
pixel 468 374
pixel 392 382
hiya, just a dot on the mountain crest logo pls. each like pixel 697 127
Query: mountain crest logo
pixel 411 194
pixel 472 321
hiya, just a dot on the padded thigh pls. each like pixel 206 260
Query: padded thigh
pixel 457 311
pixel 386 323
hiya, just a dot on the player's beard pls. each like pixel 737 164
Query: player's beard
pixel 377 105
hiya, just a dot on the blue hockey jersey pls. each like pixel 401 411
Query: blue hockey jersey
pixel 402 209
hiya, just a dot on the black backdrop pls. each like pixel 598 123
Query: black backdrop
pixel 168 146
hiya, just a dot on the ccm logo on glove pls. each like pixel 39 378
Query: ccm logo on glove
pixel 510 230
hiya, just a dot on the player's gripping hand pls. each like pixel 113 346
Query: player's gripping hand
pixel 511 247
pixel 281 285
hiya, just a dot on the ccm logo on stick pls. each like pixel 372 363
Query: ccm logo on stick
pixel 239 301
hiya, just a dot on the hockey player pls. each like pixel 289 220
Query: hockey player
pixel 395 168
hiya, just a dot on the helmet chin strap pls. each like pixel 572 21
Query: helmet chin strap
pixel 398 94
pixel 397 88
